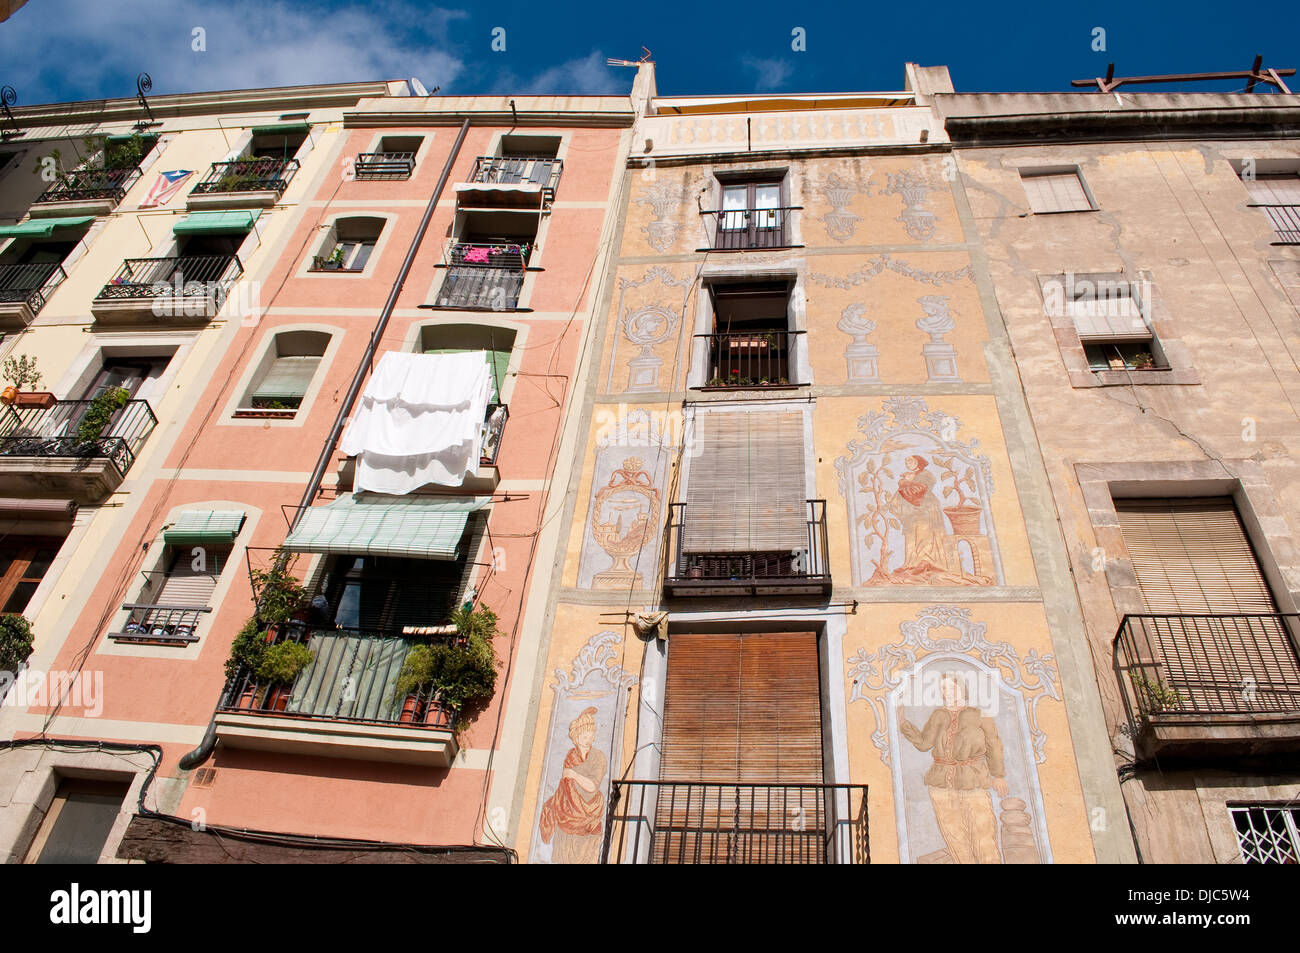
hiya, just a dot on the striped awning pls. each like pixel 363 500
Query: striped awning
pixel 42 227
pixel 213 223
pixel 204 526
pixel 420 527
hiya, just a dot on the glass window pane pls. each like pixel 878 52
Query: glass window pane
pixel 767 196
pixel 19 598
pixel 37 568
pixel 734 197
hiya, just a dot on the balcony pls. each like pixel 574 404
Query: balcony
pixel 86 192
pixel 384 165
pixel 514 180
pixel 168 289
pixel 1210 684
pixel 704 563
pixel 482 277
pixel 748 359
pixel 343 705
pixel 24 289
pixel 160 624
pixel 243 183
pixel 1286 222
pixel 42 453
pixel 740 229
pixel 691 822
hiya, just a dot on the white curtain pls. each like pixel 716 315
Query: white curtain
pixel 419 421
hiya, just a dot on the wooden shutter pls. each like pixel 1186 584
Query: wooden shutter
pixel 1056 192
pixel 1192 556
pixel 745 491
pixel 1108 311
pixel 183 586
pixel 287 379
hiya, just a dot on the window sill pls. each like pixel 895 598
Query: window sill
pixel 465 307
pixel 714 388
pixel 753 248
pixel 255 414
pixel 1146 377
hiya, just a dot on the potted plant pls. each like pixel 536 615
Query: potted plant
pixel 280 596
pixel 21 372
pixel 1143 360
pixel 277 668
pixel 101 411
pixel 15 642
pixel 335 261
pixel 456 675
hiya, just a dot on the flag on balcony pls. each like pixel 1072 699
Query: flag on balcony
pixel 420 421
pixel 165 187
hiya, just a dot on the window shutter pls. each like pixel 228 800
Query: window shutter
pixel 1274 189
pixel 183 586
pixel 746 488
pixel 1056 192
pixel 1110 314
pixel 287 379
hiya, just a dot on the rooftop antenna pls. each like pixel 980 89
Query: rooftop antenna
pixel 1256 74
pixel 645 58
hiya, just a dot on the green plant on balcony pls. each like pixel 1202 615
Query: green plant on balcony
pixel 101 411
pixel 20 372
pixel 461 673
pixel 281 663
pixel 247 648
pixel 15 641
pixel 280 596
pixel 126 153
pixel 1154 696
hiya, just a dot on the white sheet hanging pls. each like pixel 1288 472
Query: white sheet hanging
pixel 419 421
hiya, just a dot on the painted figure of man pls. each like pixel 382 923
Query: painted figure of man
pixel 573 818
pixel 968 762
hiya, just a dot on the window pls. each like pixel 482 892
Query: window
pixel 284 375
pixel 393 158
pixel 79 821
pixel 387 593
pixel 1056 190
pixel 171 603
pixel 752 216
pixel 24 561
pixel 486 264
pixel 1109 314
pixel 31 268
pixel 348 244
pixel 276 144
pixel 523 160
pixel 1279 197
pixel 8 159
pixel 134 375
pixel 1267 834
pixel 750 345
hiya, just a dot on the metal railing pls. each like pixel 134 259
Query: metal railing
pixel 352 677
pixel 494 425
pixel 1207 664
pixel 751 228
pixel 519 170
pixel 54 432
pixel 483 277
pixel 90 184
pixel 384 165
pixel 1286 222
pixel 710 822
pixel 182 276
pixel 160 623
pixel 31 283
pixel 748 358
pixel 705 552
pixel 247 175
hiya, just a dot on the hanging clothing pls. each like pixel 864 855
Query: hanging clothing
pixel 419 421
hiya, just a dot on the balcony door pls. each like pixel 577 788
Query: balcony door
pixel 751 216
pixel 742 732
pixel 1212 635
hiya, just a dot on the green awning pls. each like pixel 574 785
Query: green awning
pixel 196 527
pixel 283 129
pixel 212 223
pixel 421 527
pixel 42 227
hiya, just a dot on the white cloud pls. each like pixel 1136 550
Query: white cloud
pixel 771 73
pixel 73 49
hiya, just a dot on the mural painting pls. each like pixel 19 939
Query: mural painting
pixel 918 501
pixel 956 720
pixel 649 310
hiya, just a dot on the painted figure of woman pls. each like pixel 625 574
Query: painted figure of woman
pixel 573 818
pixel 921 515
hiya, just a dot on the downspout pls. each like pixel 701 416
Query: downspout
pixel 204 751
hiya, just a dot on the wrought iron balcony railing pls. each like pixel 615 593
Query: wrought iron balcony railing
pixel 748 358
pixel 57 431
pixel 494 425
pixel 32 283
pixel 779 547
pixel 384 165
pixel 160 623
pixel 92 184
pixel 710 822
pixel 751 228
pixel 1199 665
pixel 247 175
pixel 519 170
pixel 352 677
pixel 203 276
pixel 1286 222
pixel 483 277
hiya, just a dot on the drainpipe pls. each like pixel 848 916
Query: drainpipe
pixel 204 751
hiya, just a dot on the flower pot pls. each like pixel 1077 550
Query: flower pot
pixel 695 572
pixel 409 707
pixel 8 395
pixel 248 698
pixel 965 519
pixel 278 697
pixel 40 399
pixel 435 714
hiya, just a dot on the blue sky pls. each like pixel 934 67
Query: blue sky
pixel 57 50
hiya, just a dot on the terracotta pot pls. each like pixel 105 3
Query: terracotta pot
pixel 965 519
pixel 41 399
pixel 409 707
pixel 279 697
pixel 248 699
pixel 435 714
pixel 8 395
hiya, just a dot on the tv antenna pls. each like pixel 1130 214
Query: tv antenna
pixel 645 58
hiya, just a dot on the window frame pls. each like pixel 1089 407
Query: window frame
pixel 12 578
